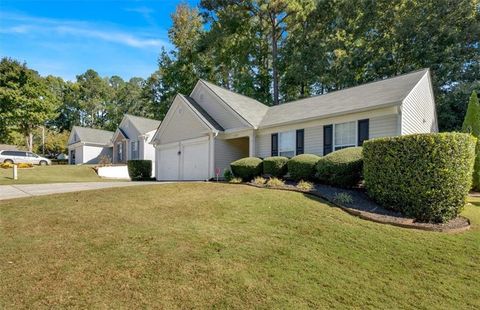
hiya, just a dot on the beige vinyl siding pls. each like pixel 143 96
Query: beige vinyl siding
pixel 384 126
pixel 380 126
pixel 262 145
pixel 183 125
pixel 215 107
pixel 418 109
pixel 227 151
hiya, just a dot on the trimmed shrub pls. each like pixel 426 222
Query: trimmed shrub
pixel 341 168
pixel 227 175
pixel 247 168
pixel 139 169
pixel 424 176
pixel 302 167
pixel 276 166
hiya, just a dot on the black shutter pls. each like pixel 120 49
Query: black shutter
pixel 274 144
pixel 363 130
pixel 327 139
pixel 300 141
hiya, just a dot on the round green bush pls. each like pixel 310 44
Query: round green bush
pixel 275 166
pixel 424 176
pixel 341 168
pixel 247 168
pixel 302 167
pixel 139 170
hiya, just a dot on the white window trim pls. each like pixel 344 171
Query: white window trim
pixel 334 146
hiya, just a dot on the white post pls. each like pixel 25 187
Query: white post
pixel 251 144
pixel 15 172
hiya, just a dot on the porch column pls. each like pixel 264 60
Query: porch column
pixel 251 144
pixel 211 163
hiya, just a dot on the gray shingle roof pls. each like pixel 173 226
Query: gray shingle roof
pixel 91 135
pixel 249 109
pixel 213 123
pixel 143 124
pixel 8 147
pixel 386 92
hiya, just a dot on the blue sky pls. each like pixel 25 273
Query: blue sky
pixel 65 38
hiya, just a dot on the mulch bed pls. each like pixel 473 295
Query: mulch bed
pixel 365 208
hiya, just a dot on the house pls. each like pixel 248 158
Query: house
pixel 8 147
pixel 132 139
pixel 204 132
pixel 88 146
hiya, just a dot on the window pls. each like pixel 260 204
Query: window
pixel 120 151
pixel 134 145
pixel 286 144
pixel 345 135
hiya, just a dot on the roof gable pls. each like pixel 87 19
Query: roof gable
pixel 232 110
pixel 183 121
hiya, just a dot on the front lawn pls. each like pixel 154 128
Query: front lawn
pixel 50 174
pixel 197 245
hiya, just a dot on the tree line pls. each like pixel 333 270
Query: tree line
pixel 275 51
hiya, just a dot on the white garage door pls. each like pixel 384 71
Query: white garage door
pixel 168 164
pixel 195 161
pixel 190 165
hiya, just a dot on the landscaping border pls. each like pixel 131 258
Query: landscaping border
pixel 377 218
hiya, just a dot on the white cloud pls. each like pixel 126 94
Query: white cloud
pixel 28 25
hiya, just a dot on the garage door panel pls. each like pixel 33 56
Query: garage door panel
pixel 195 161
pixel 168 164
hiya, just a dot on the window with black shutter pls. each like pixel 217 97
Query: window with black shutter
pixel 363 131
pixel 300 141
pixel 274 144
pixel 327 139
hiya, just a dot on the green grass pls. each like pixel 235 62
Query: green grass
pixel 50 174
pixel 197 245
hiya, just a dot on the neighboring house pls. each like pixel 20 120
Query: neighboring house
pixel 87 145
pixel 8 147
pixel 202 133
pixel 132 139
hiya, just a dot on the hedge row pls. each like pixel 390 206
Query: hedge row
pixel 425 176
pixel 341 168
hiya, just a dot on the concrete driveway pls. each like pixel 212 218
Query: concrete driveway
pixel 28 190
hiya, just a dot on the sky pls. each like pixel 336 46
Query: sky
pixel 65 38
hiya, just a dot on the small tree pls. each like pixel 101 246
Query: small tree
pixel 471 124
